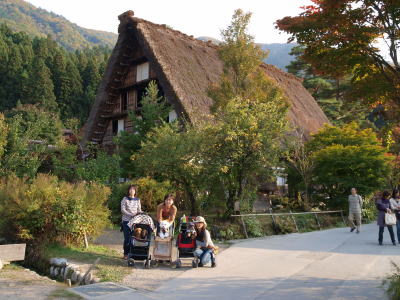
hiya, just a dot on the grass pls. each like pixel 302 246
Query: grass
pixel 63 294
pixel 12 266
pixel 110 267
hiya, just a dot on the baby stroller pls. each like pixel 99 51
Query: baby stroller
pixel 142 228
pixel 185 243
pixel 164 246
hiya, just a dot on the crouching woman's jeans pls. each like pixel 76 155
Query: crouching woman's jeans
pixel 205 255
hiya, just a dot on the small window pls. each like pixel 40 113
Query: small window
pixel 142 71
pixel 121 125
pixel 124 101
pixel 115 127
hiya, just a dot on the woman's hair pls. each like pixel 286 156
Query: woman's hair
pixel 132 186
pixel 385 194
pixel 167 196
pixel 394 193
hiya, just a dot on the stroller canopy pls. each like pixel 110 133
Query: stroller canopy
pixel 144 219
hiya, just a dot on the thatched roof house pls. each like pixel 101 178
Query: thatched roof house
pixel 184 69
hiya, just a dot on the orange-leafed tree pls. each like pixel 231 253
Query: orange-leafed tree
pixel 340 38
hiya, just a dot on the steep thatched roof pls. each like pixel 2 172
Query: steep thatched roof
pixel 186 68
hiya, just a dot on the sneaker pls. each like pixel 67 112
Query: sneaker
pixel 200 265
pixel 213 264
pixel 352 229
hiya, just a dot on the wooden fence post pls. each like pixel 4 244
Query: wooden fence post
pixel 344 221
pixel 316 218
pixel 244 227
pixel 294 221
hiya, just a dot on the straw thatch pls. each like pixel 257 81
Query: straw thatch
pixel 185 68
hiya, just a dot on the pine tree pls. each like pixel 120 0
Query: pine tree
pixel 40 86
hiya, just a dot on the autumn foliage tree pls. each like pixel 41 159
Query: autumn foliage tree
pixel 340 38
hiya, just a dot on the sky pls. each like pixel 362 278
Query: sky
pixel 197 18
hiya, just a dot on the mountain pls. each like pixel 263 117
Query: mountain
pixel 23 16
pixel 278 53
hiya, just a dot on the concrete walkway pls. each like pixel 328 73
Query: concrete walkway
pixel 330 264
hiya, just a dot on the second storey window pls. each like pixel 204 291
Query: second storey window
pixel 142 72
pixel 124 101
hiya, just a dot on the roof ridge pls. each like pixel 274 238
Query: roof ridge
pixel 128 16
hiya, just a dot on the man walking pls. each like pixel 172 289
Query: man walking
pixel 355 204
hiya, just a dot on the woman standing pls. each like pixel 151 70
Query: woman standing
pixel 166 211
pixel 130 207
pixel 395 203
pixel 205 247
pixel 383 206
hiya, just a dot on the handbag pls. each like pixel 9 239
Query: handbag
pixel 390 219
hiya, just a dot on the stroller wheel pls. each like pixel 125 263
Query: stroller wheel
pixel 178 264
pixel 194 263
pixel 131 262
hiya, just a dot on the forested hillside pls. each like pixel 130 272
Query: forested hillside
pixel 22 16
pixel 38 71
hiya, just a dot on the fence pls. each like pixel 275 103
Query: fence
pixel 292 214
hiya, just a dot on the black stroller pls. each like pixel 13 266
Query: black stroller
pixel 142 228
pixel 185 243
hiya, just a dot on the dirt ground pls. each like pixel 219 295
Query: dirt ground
pixel 22 284
pixel 140 278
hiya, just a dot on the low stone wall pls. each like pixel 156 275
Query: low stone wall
pixel 61 270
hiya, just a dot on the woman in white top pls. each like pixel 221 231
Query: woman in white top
pixel 395 204
pixel 205 247
pixel 130 207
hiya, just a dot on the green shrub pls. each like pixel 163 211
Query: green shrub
pixel 253 227
pixel 51 210
pixel 392 283
pixel 369 211
pixel 150 192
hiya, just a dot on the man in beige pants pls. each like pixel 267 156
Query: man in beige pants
pixel 355 205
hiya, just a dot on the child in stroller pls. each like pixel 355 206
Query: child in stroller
pixel 142 228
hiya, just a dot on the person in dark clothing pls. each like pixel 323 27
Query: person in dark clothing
pixel 383 205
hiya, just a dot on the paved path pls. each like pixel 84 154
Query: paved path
pixel 330 264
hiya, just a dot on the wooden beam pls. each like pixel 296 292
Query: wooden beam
pixel 101 125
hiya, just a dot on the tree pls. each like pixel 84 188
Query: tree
pixel 242 76
pixel 154 111
pixel 348 157
pixel 21 156
pixel 170 154
pixel 3 134
pixel 40 88
pixel 299 158
pixel 244 145
pixel 250 111
pixel 345 32
pixel 330 93
pixel 48 125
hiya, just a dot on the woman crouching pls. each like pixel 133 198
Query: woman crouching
pixel 205 247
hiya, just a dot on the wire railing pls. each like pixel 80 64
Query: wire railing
pixel 292 215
